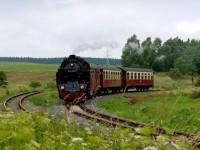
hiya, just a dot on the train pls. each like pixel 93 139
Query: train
pixel 78 80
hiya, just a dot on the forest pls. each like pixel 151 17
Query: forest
pixel 58 60
pixel 174 54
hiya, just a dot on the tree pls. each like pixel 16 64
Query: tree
pixel 172 49
pixel 159 63
pixel 156 45
pixel 131 52
pixel 149 51
pixel 185 66
pixel 3 79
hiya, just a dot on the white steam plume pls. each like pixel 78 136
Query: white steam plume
pixel 95 46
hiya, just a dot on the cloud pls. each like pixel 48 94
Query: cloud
pixel 189 27
pixel 49 28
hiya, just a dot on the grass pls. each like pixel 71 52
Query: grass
pixel 20 75
pixel 177 112
pixel 39 131
pixel 163 81
pixel 48 98
pixel 26 67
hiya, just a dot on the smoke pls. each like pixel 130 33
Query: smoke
pixel 95 46
pixel 160 58
pixel 135 47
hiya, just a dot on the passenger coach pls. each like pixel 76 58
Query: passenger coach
pixel 138 78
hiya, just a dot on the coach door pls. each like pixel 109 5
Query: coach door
pixel 97 78
pixel 123 78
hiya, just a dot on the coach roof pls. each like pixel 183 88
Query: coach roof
pixel 105 67
pixel 136 69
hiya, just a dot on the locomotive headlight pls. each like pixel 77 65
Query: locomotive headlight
pixel 62 87
pixel 82 86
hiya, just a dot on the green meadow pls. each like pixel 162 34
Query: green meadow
pixel 173 109
pixel 20 75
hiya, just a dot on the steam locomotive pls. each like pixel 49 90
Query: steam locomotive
pixel 77 80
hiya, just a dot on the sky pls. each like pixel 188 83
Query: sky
pixel 91 28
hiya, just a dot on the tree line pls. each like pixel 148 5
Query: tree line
pixel 97 61
pixel 174 54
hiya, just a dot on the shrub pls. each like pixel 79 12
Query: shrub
pixel 3 79
pixel 50 85
pixel 35 84
pixel 23 88
pixel 198 82
pixel 175 73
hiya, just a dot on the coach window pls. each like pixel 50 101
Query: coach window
pixel 127 76
pixel 135 75
pixel 106 75
pixel 145 77
pixel 151 75
pixel 131 75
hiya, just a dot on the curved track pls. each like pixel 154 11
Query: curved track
pixel 90 114
pixel 15 103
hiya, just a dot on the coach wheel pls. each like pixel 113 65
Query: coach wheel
pixel 137 89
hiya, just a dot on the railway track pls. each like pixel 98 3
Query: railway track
pixel 15 103
pixel 112 121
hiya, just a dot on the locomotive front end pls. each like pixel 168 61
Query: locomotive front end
pixel 72 79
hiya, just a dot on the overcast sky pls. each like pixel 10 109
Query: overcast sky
pixel 94 28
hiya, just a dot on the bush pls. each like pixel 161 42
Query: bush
pixel 50 85
pixel 198 82
pixel 3 79
pixel 175 73
pixel 35 84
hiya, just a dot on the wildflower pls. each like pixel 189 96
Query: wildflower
pixel 150 148
pixel 88 130
pixel 77 139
